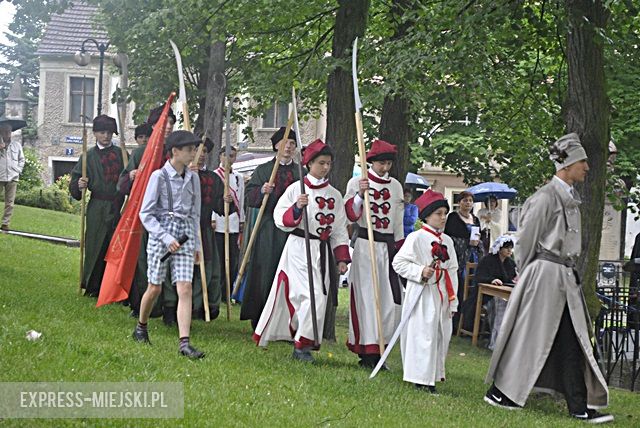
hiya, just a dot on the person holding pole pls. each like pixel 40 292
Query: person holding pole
pixel 104 163
pixel 387 209
pixel 428 261
pixel 270 240
pixel 210 251
pixel 235 199
pixel 170 212
pixel 288 312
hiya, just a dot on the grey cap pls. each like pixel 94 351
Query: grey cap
pixel 566 151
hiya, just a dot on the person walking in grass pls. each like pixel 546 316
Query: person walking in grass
pixel 104 163
pixel 387 214
pixel 544 341
pixel 287 314
pixel 428 261
pixel 11 164
pixel 171 210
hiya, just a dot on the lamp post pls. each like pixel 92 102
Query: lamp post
pixel 83 58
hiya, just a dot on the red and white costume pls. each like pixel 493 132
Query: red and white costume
pixel 287 313
pixel 387 211
pixel 425 340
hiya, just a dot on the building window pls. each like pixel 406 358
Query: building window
pixel 75 99
pixel 276 116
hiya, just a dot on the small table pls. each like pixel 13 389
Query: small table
pixel 501 291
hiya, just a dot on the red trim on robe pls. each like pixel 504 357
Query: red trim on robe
pixel 351 214
pixel 282 278
pixel 377 179
pixel 289 220
pixel 399 244
pixel 313 186
pixel 341 253
pixel 357 348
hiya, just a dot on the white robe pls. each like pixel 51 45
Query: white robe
pixel 425 340
pixel 363 328
pixel 287 312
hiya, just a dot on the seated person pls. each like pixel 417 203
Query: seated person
pixel 496 268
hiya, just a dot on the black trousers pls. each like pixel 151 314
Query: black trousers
pixel 234 253
pixel 565 365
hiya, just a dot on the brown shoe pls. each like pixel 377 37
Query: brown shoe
pixel 4 228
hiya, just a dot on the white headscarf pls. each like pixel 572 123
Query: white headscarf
pixel 499 243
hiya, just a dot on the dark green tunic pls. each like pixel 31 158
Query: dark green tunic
pixel 103 209
pixel 270 240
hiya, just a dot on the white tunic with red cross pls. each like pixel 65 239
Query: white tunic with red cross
pixel 387 212
pixel 287 313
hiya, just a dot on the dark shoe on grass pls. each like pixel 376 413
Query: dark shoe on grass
pixel 140 335
pixel 496 398
pixel 191 352
pixel 303 355
pixel 592 416
pixel 431 389
pixel 214 312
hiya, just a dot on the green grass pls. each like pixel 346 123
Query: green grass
pixel 37 220
pixel 237 384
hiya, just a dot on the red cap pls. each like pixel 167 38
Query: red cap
pixel 430 201
pixel 381 150
pixel 314 150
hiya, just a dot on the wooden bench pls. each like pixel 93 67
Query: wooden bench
pixel 469 274
pixel 501 291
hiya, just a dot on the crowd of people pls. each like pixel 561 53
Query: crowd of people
pixel 540 337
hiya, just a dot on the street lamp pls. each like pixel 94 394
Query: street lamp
pixel 83 58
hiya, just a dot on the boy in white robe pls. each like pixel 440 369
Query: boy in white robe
pixel 428 261
pixel 287 314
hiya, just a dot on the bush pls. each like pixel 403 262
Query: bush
pixel 30 177
pixel 49 198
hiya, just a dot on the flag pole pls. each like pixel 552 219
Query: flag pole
pixel 83 201
pixel 263 206
pixel 227 166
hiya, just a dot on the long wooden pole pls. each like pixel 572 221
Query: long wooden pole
pixel 227 255
pixel 305 225
pixel 367 205
pixel 372 251
pixel 263 206
pixel 83 203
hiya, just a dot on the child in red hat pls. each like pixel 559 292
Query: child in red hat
pixel 386 199
pixel 428 261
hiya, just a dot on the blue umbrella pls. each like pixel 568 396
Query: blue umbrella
pixel 415 180
pixel 482 191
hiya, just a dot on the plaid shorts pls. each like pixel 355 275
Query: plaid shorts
pixel 180 262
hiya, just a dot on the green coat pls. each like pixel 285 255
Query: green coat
pixel 270 240
pixel 103 209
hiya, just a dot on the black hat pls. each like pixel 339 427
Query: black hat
pixel 144 129
pixel 180 139
pixel 154 115
pixel 105 123
pixel 14 123
pixel 279 135
pixel 208 144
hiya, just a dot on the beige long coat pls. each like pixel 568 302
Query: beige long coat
pixel 550 222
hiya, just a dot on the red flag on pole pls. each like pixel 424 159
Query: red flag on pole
pixel 124 248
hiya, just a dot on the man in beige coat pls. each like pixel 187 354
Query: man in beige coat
pixel 544 341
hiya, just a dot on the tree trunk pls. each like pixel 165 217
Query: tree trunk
pixel 351 21
pixel 395 125
pixel 214 111
pixel 587 113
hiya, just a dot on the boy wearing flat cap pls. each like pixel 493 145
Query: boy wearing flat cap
pixel 104 163
pixel 170 212
pixel 544 340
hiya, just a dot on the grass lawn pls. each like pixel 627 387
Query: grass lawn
pixel 47 222
pixel 237 384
